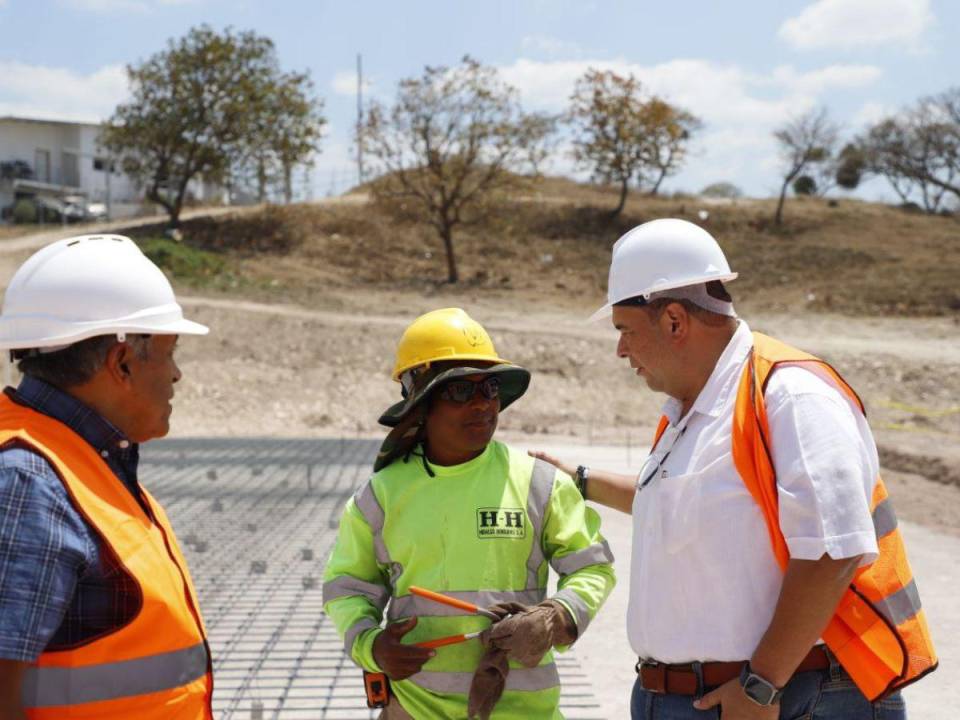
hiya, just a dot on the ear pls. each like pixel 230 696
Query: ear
pixel 675 322
pixel 118 363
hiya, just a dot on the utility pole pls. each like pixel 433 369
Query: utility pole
pixel 359 119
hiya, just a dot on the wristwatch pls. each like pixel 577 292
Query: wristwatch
pixel 758 689
pixel 580 477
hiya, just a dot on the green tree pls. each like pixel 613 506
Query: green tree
pixel 453 139
pixel 851 166
pixel 623 137
pixel 805 185
pixel 195 110
pixel 287 127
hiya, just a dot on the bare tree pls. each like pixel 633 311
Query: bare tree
pixel 621 137
pixel 805 141
pixel 918 150
pixel 453 139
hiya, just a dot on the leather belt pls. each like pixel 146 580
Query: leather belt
pixel 683 679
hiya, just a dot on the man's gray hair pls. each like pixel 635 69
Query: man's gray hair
pixel 76 364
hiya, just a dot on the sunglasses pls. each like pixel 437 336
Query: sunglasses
pixel 462 391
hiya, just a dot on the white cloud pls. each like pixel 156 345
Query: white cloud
pixel 110 6
pixel 740 109
pixel 345 83
pixel 871 113
pixel 115 6
pixel 858 23
pixel 51 93
pixel 546 46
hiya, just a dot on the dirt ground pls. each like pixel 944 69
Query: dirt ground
pixel 317 364
pixel 293 371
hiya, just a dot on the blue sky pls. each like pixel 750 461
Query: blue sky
pixel 744 67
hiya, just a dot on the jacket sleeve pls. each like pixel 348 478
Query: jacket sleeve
pixel 356 587
pixel 576 550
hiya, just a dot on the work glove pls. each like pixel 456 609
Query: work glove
pixel 488 682
pixel 397 660
pixel 527 633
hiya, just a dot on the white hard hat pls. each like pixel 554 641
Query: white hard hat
pixel 86 286
pixel 662 255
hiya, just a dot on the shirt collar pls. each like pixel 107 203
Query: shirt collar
pixel 722 381
pixel 99 432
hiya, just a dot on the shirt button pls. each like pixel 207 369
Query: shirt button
pixel 104 453
pixel 124 444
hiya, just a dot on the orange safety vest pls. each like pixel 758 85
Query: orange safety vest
pixel 879 631
pixel 157 666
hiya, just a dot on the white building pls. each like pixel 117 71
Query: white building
pixel 65 160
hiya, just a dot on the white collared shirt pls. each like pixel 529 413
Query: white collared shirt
pixel 704 581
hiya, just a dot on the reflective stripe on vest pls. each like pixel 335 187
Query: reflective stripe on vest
pixel 350 636
pixel 346 586
pixel 580 610
pixel 879 632
pixel 542 677
pixel 596 554
pixel 50 686
pixel 408 605
pixel 538 497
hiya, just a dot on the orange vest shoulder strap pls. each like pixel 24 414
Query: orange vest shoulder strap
pixel 661 428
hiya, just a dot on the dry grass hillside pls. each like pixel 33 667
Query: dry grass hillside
pixel 849 257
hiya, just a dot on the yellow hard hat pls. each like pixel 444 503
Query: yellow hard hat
pixel 447 334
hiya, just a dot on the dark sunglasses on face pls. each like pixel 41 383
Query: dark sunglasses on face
pixel 462 391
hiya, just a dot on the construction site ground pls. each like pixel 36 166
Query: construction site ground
pixel 313 364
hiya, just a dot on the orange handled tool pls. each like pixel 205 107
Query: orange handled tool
pixel 453 602
pixel 449 640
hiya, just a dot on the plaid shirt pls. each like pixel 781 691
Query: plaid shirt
pixel 60 586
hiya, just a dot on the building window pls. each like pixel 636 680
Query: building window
pixel 42 165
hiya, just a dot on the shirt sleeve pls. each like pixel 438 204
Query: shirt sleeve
pixel 44 547
pixel 355 587
pixel 576 550
pixel 827 467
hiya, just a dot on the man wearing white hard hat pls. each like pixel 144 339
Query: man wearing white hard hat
pixel 768 576
pixel 98 615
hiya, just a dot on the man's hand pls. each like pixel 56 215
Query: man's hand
pixel 568 468
pixel 735 705
pixel 397 660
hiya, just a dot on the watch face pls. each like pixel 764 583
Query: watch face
pixel 759 690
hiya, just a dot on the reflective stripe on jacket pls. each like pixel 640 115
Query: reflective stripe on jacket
pixel 485 532
pixel 157 667
pixel 879 632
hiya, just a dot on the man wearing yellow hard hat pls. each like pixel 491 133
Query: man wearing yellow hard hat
pixel 449 510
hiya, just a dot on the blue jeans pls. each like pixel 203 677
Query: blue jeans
pixel 818 695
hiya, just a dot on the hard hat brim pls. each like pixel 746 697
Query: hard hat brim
pixel 177 327
pixel 514 381
pixel 607 310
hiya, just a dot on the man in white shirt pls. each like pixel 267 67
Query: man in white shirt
pixel 758 516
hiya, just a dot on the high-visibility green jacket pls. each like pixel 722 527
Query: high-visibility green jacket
pixel 484 532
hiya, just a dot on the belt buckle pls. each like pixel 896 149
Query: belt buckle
pixel 653 676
